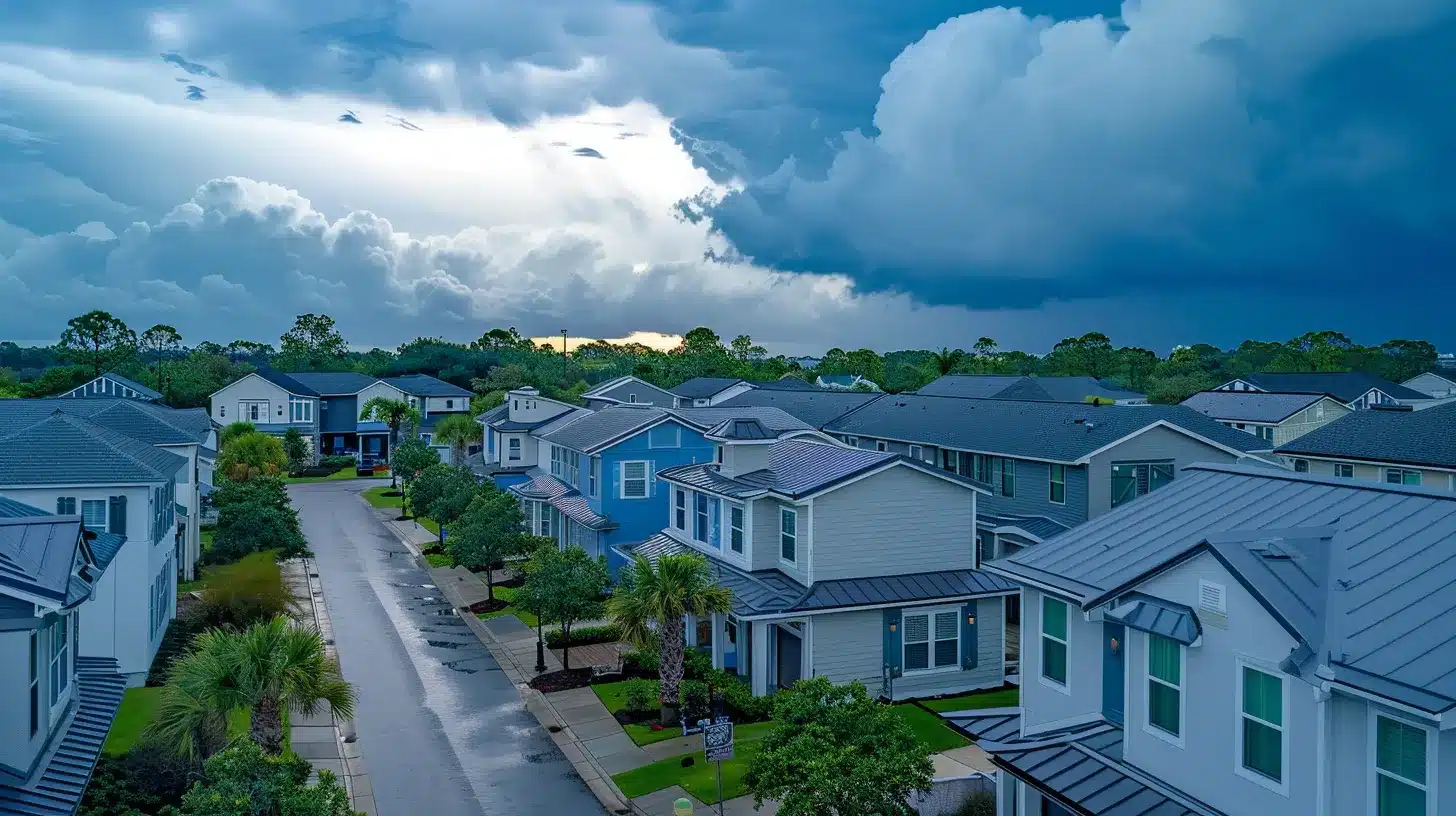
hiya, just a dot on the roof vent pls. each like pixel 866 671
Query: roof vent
pixel 1079 421
pixel 1272 550
pixel 1344 583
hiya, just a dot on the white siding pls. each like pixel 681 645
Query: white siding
pixel 378 389
pixel 851 646
pixel 767 541
pixel 226 404
pixel 1157 444
pixel 1044 706
pixel 447 405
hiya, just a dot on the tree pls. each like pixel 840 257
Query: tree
pixel 744 350
pixel 442 492
pixel 295 447
pixel 502 378
pixel 312 343
pixel 252 455
pixel 503 339
pixel 248 350
pixel 244 781
pixel 396 414
pixel 411 457
pixel 252 518
pixel 946 360
pixel 98 340
pixel 459 431
pixel 566 586
pixel 651 602
pixel 487 533
pixel 1139 364
pixel 235 430
pixel 835 751
pixel 1175 389
pixel 159 341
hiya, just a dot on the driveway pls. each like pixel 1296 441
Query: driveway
pixel 441 729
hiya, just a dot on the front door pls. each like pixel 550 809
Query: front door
pixel 790 657
pixel 1114 642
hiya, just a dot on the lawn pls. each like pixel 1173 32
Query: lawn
pixel 139 707
pixel 700 780
pixel 508 594
pixel 439 560
pixel 376 498
pixel 930 728
pixel 347 473
pixel 614 697
pixel 997 698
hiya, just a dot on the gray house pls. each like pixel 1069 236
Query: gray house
pixel 1356 389
pixel 832 568
pixel 1247 641
pixel 1414 448
pixel 1046 466
pixel 1434 384
pixel 1274 418
pixel 628 390
pixel 55 706
pixel 1035 389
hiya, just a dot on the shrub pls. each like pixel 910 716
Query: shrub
pixel 248 592
pixel 738 699
pixel 584 636
pixel 642 697
pixel 295 447
pixel 148 779
pixel 337 463
pixel 978 804
pixel 176 641
pixel 641 663
pixel 693 701
pixel 245 529
pixel 251 456
pixel 697 665
pixel 312 471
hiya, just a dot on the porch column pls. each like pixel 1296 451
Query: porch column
pixel 759 664
pixel 718 640
pixel 690 631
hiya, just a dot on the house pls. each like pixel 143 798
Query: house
pixel 1407 447
pixel 56 703
pixel 510 448
pixel 703 392
pixel 1355 389
pixel 1248 641
pixel 1274 418
pixel 816 407
pixel 845 382
pixel 112 384
pixel 1435 384
pixel 272 401
pixel 119 486
pixel 628 390
pixel 187 433
pixel 832 569
pixel 1035 389
pixel 1045 466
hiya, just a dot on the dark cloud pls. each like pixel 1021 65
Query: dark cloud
pixel 350 118
pixel 588 153
pixel 194 93
pixel 194 68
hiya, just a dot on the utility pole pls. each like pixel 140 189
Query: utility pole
pixel 563 342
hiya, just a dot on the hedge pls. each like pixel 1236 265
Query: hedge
pixel 584 636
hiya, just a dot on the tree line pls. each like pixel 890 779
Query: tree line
pixel 502 359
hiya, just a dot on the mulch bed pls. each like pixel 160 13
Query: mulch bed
pixel 561 680
pixel 489 605
pixel 433 549
pixel 391 494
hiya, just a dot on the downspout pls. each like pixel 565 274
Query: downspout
pixel 1322 748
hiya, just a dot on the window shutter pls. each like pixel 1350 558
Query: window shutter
pixel 116 521
pixel 970 645
pixel 892 656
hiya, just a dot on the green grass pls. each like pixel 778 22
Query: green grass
pixel 701 780
pixel 930 729
pixel 614 697
pixel 376 498
pixel 997 698
pixel 347 473
pixel 439 560
pixel 508 594
pixel 208 574
pixel 139 708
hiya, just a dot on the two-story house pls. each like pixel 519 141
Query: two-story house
pixel 1033 389
pixel 817 407
pixel 627 390
pixel 272 401
pixel 1438 385
pixel 1406 447
pixel 705 392
pixel 56 704
pixel 511 447
pixel 112 384
pixel 120 486
pixel 1356 389
pixel 1247 641
pixel 1274 418
pixel 852 564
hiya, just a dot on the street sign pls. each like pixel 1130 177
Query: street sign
pixel 718 741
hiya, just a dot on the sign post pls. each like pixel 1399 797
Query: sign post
pixel 718 746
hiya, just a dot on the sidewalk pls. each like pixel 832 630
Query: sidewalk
pixel 317 738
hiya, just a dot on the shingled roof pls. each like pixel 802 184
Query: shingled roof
pixel 144 421
pixel 67 449
pixel 1347 386
pixel 1250 406
pixel 1426 437
pixel 1036 389
pixel 816 407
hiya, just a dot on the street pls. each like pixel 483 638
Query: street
pixel 442 730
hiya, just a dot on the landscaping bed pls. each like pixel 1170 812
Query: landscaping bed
pixel 563 680
pixel 583 636
pixel 489 606
pixel 694 773
pixel 508 594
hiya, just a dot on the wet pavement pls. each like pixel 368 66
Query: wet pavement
pixel 441 728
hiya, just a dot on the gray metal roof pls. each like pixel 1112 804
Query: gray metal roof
pixel 1039 526
pixel 706 477
pixel 65 768
pixel 37 555
pixel 741 429
pixel 1359 571
pixel 812 407
pixel 1059 432
pixel 494 413
pixel 1036 389
pixel 1426 437
pixel 10 508
pixel 1148 614
pixel 1250 406
pixel 1345 385
pixel 286 382
pixel 895 589
pixel 785 383
pixel 754 593
pixel 423 385
pixel 595 429
pixel 144 421
pixel 104 547
pixel 772 419
pixel 333 383
pixel 797 468
pixel 565 498
pixel 67 449
pixel 703 387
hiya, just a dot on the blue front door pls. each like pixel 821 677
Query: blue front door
pixel 1114 643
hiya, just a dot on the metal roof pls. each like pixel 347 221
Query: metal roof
pixel 104 547
pixel 787 382
pixel 10 508
pixel 741 429
pixel 494 413
pixel 596 429
pixel 1040 526
pixel 565 498
pixel 423 385
pixel 1036 389
pixel 1059 432
pixel 706 477
pixel 797 468
pixel 144 421
pixel 1358 571
pixel 1426 437
pixel 1250 406
pixel 67 449
pixel 812 407
pixel 1345 385
pixel 333 383
pixel 286 382
pixel 703 387
pixel 758 592
pixel 38 554
pixel 900 589
pixel 65 768
pixel 1148 614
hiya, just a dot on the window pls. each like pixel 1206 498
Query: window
pixel 632 398
pixel 932 640
pixel 735 528
pixel 949 461
pixel 917 453
pixel 1165 684
pixel 634 480
pixel 514 448
pixel 566 465
pixel 1133 479
pixel 1054 640
pixel 1301 465
pixel 427 438
pixel 852 441
pixel 981 467
pixel 1265 432
pixel 60 659
pixel 1008 477
pixel 222 410
pixel 93 515
pixel 1400 768
pixel 254 410
pixel 881 446
pixel 545 519
pixel 718 454
pixel 593 476
pixel 664 436
pixel 449 404
pixel 66 506
pixel 702 529
pixel 680 509
pixel 1057 489
pixel 788 535
pixel 1319 410
pixel 1344 471
pixel 1261 724
pixel 34 682
pixel 300 410
pixel 1400 476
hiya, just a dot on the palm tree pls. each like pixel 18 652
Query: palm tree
pixel 394 413
pixel 652 601
pixel 946 359
pixel 459 431
pixel 270 667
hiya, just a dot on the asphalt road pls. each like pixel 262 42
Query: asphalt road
pixel 442 731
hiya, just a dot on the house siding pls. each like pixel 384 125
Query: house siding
pixel 378 389
pixel 898 521
pixel 1433 385
pixel 850 646
pixel 1158 444
pixel 1432 479
pixel 637 519
pixel 225 403
pixel 766 514
pixel 1044 707
pixel 646 394
pixel 1321 413
pixel 1033 494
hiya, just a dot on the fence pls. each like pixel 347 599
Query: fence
pixel 948 795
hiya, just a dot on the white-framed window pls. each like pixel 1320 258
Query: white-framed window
pixel 932 640
pixel 1301 465
pixel 1165 687
pixel 222 410
pixel 253 410
pixel 1262 743
pixel 66 506
pixel 34 683
pixel 702 521
pixel 300 410
pixel 735 528
pixel 1057 484
pixel 634 480
pixel 93 514
pixel 449 405
pixel 594 476
pixel 1133 479
pixel 545 519
pixel 949 460
pixel 60 664
pixel 632 398
pixel 718 454
pixel 917 453
pixel 981 467
pixel 513 448
pixel 1344 470
pixel 1265 432
pixel 1008 477
pixel 1054 614
pixel 1402 767
pixel 881 445
pixel 788 535
pixel 852 441
pixel 1403 476
pixel 680 509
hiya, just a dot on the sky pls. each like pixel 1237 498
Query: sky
pixel 819 173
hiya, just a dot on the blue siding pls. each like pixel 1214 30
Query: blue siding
pixel 1032 496
pixel 338 414
pixel 639 518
